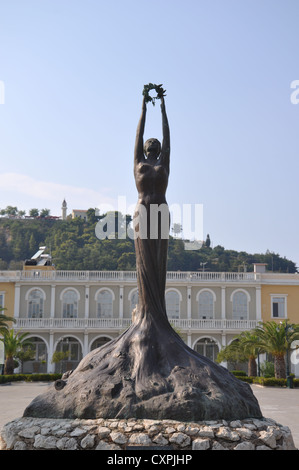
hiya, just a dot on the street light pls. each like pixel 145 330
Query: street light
pixel 203 266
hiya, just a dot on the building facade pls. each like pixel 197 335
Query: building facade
pixel 73 312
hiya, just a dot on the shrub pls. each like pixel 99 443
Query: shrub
pixel 268 381
pixel 29 378
pixel 239 373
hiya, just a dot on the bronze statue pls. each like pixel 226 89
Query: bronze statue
pixel 151 171
pixel 148 371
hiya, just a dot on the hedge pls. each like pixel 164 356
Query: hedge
pixel 267 381
pixel 239 373
pixel 29 378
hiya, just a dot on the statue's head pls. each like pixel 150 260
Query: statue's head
pixel 152 148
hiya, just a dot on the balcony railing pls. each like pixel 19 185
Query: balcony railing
pixel 123 276
pixel 123 323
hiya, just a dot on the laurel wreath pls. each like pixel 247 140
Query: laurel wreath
pixel 158 88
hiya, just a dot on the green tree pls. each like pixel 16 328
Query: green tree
pixel 244 348
pixel 44 213
pixel 11 211
pixel 13 344
pixel 4 320
pixel 276 339
pixel 32 244
pixel 59 357
pixel 34 212
pixel 27 353
pixel 250 344
pixel 232 353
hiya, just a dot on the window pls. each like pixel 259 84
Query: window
pixel 1 300
pixel 134 300
pixel 39 349
pixel 70 304
pixel 240 306
pixel 104 304
pixel 35 304
pixel 172 299
pixel 207 347
pixel 71 354
pixel 206 305
pixel 71 349
pixel 279 306
pixel 99 342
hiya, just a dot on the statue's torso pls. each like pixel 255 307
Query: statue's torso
pixel 151 182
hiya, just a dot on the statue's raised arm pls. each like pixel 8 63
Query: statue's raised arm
pixel 139 152
pixel 165 151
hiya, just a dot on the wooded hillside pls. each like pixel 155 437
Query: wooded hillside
pixel 74 246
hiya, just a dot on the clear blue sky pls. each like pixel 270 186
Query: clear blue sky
pixel 74 72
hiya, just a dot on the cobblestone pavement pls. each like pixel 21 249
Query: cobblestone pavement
pixel 280 404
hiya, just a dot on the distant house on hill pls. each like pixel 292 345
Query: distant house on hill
pixel 82 214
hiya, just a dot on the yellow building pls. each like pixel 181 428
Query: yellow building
pixel 279 295
pixel 7 297
pixel 82 310
pixel 280 302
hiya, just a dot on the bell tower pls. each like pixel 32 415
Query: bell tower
pixel 64 209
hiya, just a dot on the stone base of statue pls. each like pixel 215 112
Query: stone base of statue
pixel 147 373
pixel 154 436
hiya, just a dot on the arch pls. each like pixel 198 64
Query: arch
pixel 240 290
pixel 102 339
pixel 207 346
pixel 206 299
pixel 67 289
pixel 35 288
pixel 205 289
pixel 64 337
pixel 174 290
pixel 102 289
pixel 203 336
pixel 36 335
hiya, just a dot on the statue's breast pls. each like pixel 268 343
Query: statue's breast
pixel 151 178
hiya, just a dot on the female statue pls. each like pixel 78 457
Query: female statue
pixel 148 371
pixel 151 171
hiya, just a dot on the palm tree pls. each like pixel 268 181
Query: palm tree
pixel 13 344
pixel 232 353
pixel 276 339
pixel 4 319
pixel 249 342
pixel 244 348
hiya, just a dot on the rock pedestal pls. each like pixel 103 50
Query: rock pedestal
pixel 117 435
